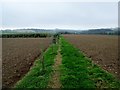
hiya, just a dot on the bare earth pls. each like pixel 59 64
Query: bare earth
pixel 102 49
pixel 18 55
pixel 55 79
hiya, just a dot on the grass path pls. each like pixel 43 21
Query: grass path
pixel 67 67
pixel 55 79
pixel 35 78
pixel 78 71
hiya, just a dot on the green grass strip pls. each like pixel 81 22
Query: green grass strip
pixel 35 78
pixel 77 71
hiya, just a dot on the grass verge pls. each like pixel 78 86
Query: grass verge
pixel 35 78
pixel 77 71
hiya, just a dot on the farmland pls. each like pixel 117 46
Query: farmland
pixel 18 55
pixel 65 64
pixel 69 69
pixel 36 77
pixel 78 71
pixel 102 49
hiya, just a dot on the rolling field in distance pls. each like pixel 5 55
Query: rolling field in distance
pixel 102 49
pixel 18 55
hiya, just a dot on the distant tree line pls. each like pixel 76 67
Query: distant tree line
pixel 93 33
pixel 28 35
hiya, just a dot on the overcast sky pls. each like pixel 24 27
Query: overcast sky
pixel 68 15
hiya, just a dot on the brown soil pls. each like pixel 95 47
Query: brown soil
pixel 102 49
pixel 18 55
pixel 55 79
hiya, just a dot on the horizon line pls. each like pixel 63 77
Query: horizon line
pixel 58 28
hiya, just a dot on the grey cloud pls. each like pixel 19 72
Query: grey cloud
pixel 52 15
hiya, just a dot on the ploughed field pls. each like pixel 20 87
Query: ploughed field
pixel 102 49
pixel 18 55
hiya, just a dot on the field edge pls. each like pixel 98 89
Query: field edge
pixel 35 78
pixel 96 77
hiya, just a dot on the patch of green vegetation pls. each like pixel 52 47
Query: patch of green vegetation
pixel 36 78
pixel 77 71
